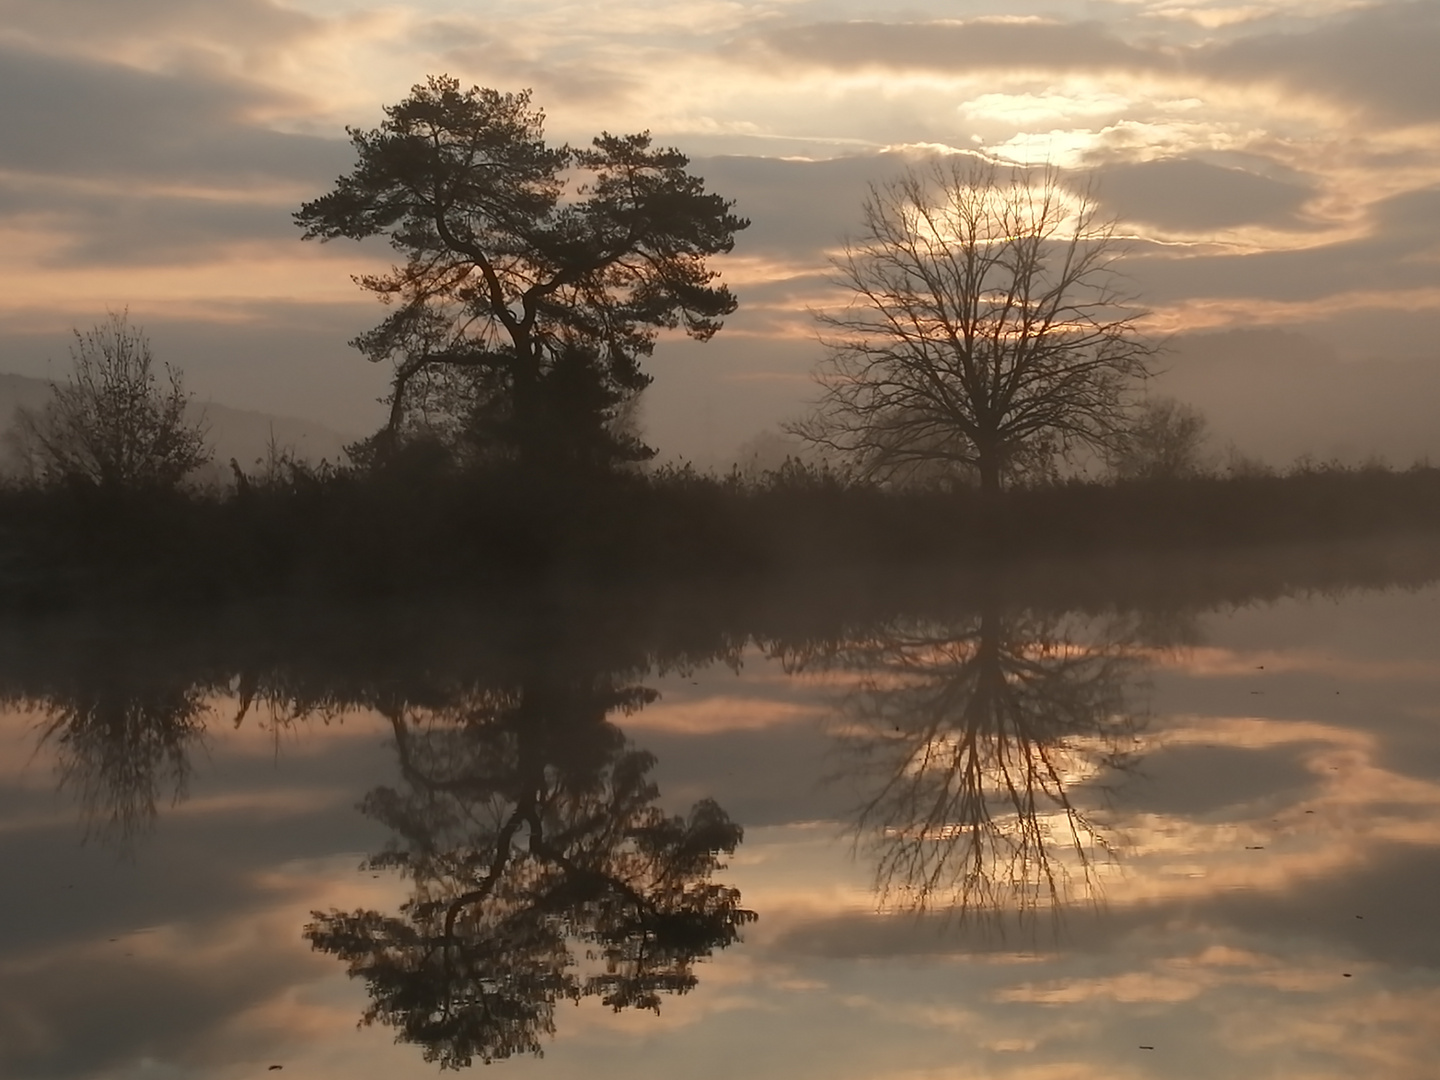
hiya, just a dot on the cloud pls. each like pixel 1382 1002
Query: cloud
pixel 1205 780
pixel 1390 891
pixel 472 51
pixel 88 229
pixel 1389 250
pixel 248 39
pixel 799 209
pixel 1212 18
pixel 105 24
pixel 721 712
pixel 951 47
pixel 105 124
pixel 90 1014
pixel 1380 58
pixel 1409 223
pixel 1189 195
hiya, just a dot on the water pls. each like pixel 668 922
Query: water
pixel 983 836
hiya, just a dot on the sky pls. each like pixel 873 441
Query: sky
pixel 1275 166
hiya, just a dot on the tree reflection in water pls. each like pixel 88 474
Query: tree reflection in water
pixel 123 750
pixel 967 740
pixel 540 866
pixel 541 871
pixel 121 719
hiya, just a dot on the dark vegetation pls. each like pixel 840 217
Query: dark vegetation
pixel 411 528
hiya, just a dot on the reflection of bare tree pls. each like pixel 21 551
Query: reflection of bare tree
pixel 529 832
pixel 966 741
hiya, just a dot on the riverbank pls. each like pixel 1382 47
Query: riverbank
pixel 357 536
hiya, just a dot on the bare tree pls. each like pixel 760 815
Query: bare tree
pixel 986 336
pixel 112 423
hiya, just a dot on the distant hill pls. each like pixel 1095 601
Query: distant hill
pixel 241 434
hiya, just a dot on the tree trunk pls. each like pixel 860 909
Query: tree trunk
pixel 989 468
pixel 528 428
pixel 991 531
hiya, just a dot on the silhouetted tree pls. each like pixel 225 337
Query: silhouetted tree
pixel 985 335
pixel 536 277
pixel 112 423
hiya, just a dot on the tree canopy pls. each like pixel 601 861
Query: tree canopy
pixel 536 277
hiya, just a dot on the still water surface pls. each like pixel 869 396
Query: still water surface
pixel 987 840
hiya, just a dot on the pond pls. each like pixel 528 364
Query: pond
pixel 970 832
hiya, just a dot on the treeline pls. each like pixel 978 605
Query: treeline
pixel 408 527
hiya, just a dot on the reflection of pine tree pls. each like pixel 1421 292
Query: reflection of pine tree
pixel 966 740
pixel 528 830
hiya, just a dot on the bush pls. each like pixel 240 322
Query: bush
pixel 111 424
